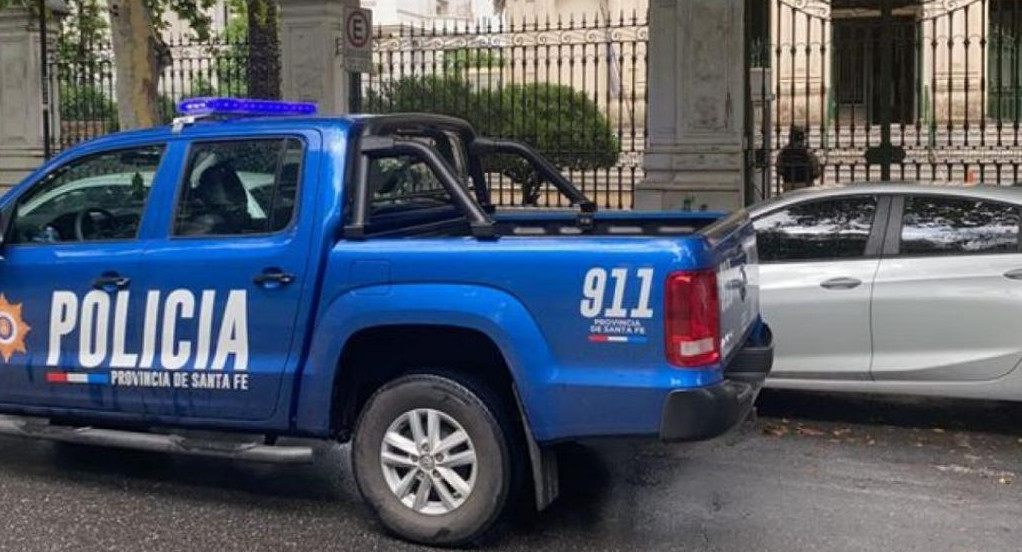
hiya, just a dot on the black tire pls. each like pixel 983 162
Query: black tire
pixel 483 419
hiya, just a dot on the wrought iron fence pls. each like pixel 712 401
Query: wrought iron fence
pixel 82 82
pixel 574 88
pixel 890 90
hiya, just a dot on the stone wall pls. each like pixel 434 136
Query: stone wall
pixel 21 113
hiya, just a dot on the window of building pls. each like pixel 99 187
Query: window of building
pixel 944 226
pixel 1004 60
pixel 816 231
pixel 239 187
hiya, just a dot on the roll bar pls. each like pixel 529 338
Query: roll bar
pixel 372 147
pixel 587 207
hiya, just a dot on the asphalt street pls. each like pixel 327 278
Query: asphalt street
pixel 811 473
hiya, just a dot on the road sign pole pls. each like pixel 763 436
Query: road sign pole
pixel 355 92
pixel 357 52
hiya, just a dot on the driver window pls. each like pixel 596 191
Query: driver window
pixel 96 198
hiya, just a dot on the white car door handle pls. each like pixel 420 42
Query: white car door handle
pixel 841 283
pixel 1015 274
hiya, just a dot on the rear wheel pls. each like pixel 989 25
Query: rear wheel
pixel 431 456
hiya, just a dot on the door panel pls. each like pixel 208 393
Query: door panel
pixel 816 283
pixel 68 326
pixel 68 281
pixel 820 332
pixel 226 282
pixel 946 304
pixel 947 318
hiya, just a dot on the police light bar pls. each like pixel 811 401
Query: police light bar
pixel 203 107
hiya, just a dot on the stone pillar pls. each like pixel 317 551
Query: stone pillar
pixel 695 154
pixel 21 111
pixel 312 68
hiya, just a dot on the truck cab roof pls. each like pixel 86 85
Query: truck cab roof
pixel 377 124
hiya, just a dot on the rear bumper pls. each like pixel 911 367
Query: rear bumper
pixel 706 412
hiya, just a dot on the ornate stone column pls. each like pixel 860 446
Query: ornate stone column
pixel 21 98
pixel 695 154
pixel 312 68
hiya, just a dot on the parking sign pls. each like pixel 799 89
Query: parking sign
pixel 358 33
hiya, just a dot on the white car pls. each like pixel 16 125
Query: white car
pixel 894 288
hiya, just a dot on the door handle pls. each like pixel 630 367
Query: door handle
pixel 111 281
pixel 1015 274
pixel 273 278
pixel 841 283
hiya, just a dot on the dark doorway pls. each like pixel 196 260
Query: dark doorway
pixel 856 72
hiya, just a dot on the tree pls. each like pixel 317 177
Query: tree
pixel 82 30
pixel 142 55
pixel 263 49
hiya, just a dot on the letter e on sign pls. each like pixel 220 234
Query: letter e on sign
pixel 358 34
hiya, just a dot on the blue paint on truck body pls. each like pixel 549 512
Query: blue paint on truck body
pixel 580 369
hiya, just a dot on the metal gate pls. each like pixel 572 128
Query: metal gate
pixel 885 90
pixel 574 88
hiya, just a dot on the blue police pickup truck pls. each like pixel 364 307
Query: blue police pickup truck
pixel 217 285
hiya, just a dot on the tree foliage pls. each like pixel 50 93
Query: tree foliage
pixel 83 32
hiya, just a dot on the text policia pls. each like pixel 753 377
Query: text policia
pixel 101 322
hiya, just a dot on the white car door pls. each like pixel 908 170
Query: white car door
pixel 818 259
pixel 947 304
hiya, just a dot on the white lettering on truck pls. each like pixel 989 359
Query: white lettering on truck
pixel 100 341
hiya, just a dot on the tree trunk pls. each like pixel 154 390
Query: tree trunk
pixel 263 50
pixel 140 56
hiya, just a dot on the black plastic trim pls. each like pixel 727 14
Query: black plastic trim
pixel 752 364
pixel 377 146
pixel 485 146
pixel 707 412
pixel 892 241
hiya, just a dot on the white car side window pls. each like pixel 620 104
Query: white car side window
pixel 948 225
pixel 817 230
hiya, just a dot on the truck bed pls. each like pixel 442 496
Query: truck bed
pixel 537 222
pixel 526 222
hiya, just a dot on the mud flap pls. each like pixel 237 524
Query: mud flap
pixel 545 479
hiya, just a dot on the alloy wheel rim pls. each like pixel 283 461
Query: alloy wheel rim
pixel 429 461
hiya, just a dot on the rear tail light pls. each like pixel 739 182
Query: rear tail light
pixel 693 319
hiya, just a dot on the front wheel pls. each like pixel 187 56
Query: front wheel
pixel 431 457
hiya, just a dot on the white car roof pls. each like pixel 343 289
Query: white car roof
pixel 1006 194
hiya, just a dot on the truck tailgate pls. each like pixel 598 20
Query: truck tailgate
pixel 734 242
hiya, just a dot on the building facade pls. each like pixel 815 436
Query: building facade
pixel 935 62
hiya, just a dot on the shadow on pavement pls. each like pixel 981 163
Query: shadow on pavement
pixel 328 479
pixel 898 411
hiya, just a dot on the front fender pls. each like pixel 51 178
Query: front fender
pixel 495 313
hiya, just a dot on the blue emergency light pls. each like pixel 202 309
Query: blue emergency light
pixel 203 107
